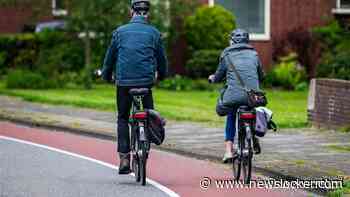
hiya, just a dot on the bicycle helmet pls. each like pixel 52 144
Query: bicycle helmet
pixel 240 36
pixel 140 5
pixel 156 130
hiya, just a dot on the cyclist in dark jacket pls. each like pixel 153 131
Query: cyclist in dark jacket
pixel 247 63
pixel 135 55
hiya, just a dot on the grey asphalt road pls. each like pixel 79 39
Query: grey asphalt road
pixel 28 171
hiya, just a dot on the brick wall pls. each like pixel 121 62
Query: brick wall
pixel 12 19
pixel 329 103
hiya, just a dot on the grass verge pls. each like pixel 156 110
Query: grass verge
pixel 198 106
pixel 341 192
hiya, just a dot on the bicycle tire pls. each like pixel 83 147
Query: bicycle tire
pixel 136 168
pixel 143 163
pixel 247 163
pixel 247 169
pixel 135 158
pixel 237 162
pixel 236 165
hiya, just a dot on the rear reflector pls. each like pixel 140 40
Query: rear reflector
pixel 140 115
pixel 247 116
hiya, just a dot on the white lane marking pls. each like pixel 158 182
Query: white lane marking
pixel 154 183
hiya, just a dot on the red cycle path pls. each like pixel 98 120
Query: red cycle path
pixel 178 173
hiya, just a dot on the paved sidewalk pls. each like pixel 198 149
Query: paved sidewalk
pixel 289 152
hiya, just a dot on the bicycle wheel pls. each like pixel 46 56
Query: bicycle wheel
pixel 136 168
pixel 237 162
pixel 247 161
pixel 237 168
pixel 135 158
pixel 143 162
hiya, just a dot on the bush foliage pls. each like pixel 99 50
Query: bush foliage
pixel 24 79
pixel 203 63
pixel 336 51
pixel 209 28
pixel 48 52
pixel 287 74
pixel 18 51
pixel 180 83
pixel 207 33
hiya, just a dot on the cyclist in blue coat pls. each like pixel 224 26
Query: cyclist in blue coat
pixel 135 55
pixel 247 63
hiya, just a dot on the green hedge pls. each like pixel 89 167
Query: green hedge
pixel 48 52
pixel 336 51
pixel 24 79
pixel 18 51
pixel 180 83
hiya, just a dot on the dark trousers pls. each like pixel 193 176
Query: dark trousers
pixel 124 102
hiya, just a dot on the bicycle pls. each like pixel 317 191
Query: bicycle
pixel 140 144
pixel 242 162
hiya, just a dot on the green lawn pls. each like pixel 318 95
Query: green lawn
pixel 289 107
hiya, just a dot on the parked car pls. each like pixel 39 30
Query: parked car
pixel 52 25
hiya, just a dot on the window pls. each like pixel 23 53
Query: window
pixel 344 4
pixel 343 7
pixel 251 15
pixel 58 8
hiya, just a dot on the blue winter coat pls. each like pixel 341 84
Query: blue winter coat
pixel 135 54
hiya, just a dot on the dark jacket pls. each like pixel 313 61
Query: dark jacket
pixel 249 67
pixel 135 54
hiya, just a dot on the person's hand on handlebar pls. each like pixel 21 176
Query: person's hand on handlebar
pixel 98 74
pixel 211 79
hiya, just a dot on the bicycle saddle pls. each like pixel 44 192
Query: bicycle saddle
pixel 139 91
pixel 245 108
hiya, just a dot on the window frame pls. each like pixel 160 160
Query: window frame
pixel 339 9
pixel 259 37
pixel 56 11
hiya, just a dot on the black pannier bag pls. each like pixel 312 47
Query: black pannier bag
pixel 156 130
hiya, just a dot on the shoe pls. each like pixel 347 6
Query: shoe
pixel 256 146
pixel 124 166
pixel 228 157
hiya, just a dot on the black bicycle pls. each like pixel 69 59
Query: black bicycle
pixel 242 162
pixel 140 144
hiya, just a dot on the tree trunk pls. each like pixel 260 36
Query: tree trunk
pixel 87 45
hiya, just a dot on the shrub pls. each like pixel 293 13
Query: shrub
pixel 209 28
pixel 3 56
pixel 203 63
pixel 59 53
pixel 179 83
pixel 20 50
pixel 336 51
pixel 22 79
pixel 287 74
pixel 337 66
pixel 176 83
pixel 49 52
